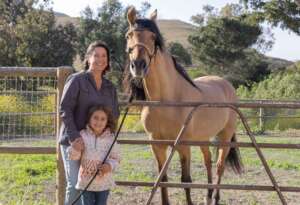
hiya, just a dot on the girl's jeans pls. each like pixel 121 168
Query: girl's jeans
pixel 71 170
pixel 95 198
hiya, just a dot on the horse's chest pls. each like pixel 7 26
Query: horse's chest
pixel 161 121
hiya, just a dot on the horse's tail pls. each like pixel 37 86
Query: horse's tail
pixel 234 158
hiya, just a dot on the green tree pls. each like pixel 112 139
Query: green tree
pixel 223 43
pixel 29 36
pixel 180 53
pixel 108 25
pixel 144 8
pixel 285 14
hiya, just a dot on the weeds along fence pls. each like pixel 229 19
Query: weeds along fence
pixel 28 111
pixel 269 121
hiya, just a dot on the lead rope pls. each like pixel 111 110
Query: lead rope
pixel 108 152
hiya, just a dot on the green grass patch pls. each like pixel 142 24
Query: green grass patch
pixel 23 178
pixel 29 179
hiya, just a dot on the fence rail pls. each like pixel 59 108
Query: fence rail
pixel 61 74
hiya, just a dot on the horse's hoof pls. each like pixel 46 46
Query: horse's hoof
pixel 207 201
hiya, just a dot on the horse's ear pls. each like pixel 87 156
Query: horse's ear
pixel 131 15
pixel 153 15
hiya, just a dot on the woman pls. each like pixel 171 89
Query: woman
pixel 83 90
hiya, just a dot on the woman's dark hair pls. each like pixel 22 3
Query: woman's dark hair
pixel 111 123
pixel 90 50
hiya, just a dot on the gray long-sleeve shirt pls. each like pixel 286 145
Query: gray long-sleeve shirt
pixel 79 94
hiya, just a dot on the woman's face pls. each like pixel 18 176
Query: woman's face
pixel 98 60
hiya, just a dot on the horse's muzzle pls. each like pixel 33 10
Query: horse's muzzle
pixel 138 68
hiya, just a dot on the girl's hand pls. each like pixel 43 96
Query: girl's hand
pixel 105 168
pixel 78 144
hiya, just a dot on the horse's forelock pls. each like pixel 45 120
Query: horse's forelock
pixel 147 24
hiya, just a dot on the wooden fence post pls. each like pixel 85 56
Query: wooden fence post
pixel 62 74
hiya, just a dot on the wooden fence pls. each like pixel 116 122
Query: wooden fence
pixel 62 73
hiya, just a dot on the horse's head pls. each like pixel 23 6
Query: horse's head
pixel 143 38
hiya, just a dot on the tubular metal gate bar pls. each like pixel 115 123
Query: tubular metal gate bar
pixel 185 124
pixel 234 106
pixel 62 73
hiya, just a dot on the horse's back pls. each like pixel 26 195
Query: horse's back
pixel 216 89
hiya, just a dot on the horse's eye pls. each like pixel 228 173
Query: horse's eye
pixel 129 50
pixel 129 35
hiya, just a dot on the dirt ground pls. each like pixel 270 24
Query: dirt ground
pixel 139 195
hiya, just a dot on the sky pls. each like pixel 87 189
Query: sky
pixel 286 46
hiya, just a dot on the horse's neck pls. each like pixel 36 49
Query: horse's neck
pixel 163 82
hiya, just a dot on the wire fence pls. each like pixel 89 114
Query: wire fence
pixel 28 110
pixel 27 107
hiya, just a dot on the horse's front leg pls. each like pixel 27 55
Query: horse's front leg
pixel 185 160
pixel 160 153
pixel 207 161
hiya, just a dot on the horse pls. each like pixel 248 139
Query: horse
pixel 161 78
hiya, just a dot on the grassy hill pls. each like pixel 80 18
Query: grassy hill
pixel 172 30
pixel 178 31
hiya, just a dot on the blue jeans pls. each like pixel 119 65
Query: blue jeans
pixel 71 171
pixel 95 197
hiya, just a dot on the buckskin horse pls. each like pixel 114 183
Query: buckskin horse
pixel 162 79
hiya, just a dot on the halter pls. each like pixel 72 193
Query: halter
pixel 150 53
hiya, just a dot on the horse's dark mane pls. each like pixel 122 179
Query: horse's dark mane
pixel 135 86
pixel 146 24
pixel 183 72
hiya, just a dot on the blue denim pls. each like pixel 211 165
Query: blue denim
pixel 71 171
pixel 95 197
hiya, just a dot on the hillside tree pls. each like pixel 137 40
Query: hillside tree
pixel 30 37
pixel 223 43
pixel 181 54
pixel 109 25
pixel 285 14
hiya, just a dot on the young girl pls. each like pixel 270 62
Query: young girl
pixel 97 138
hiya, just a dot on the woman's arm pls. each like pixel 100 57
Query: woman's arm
pixel 73 152
pixel 67 106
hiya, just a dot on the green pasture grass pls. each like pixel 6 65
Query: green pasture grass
pixel 23 178
pixel 29 179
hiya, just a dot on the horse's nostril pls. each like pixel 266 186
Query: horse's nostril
pixel 143 63
pixel 139 64
pixel 132 64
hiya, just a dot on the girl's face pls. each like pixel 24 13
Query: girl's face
pixel 98 60
pixel 98 121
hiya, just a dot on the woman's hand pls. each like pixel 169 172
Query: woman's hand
pixel 78 144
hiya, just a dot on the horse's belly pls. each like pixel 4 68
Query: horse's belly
pixel 208 122
pixel 164 124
